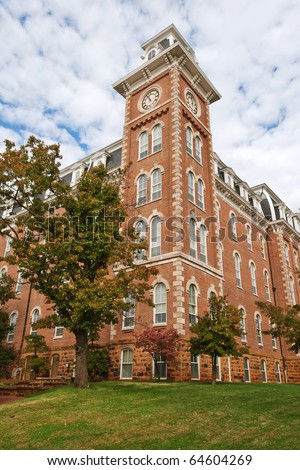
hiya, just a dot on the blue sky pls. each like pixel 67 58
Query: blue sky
pixel 61 57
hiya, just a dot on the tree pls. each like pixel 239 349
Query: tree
pixel 36 344
pixel 284 323
pixel 159 343
pixel 7 353
pixel 216 332
pixel 68 243
pixel 98 362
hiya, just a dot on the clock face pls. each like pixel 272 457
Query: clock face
pixel 191 102
pixel 150 98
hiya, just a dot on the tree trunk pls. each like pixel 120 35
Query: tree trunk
pixel 81 370
pixel 214 369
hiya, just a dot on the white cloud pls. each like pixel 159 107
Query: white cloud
pixel 60 59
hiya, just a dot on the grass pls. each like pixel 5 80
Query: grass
pixel 130 415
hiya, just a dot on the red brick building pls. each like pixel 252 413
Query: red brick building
pixel 207 230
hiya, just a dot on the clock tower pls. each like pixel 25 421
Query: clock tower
pixel 170 188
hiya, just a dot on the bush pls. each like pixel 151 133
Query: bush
pixel 98 362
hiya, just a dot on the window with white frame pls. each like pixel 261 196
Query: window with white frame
pixel 193 317
pixel 203 250
pixel 191 187
pixel 258 328
pixel 247 369
pixel 237 266
pixel 8 245
pixel 198 148
pixel 296 260
pixel 249 237
pixel 3 272
pixel 287 254
pixel 128 314
pixel 292 288
pixel 160 304
pixel 263 370
pixel 253 278
pixel 143 145
pixel 155 236
pixel 34 318
pixel 126 364
pixel 218 368
pixel 243 325
pixel 160 367
pixel 140 231
pixel 233 226
pixel 156 138
pixel 141 190
pixel 189 141
pixel 12 325
pixel 274 344
pixel 193 243
pixel 59 332
pixel 278 372
pixel 262 247
pixel 195 369
pixel 156 184
pixel 267 286
pixel 19 283
pixel 200 194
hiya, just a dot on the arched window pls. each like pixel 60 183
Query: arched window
pixel 292 288
pixel 237 265
pixel 274 344
pixel 296 261
pixel 12 324
pixel 278 373
pixel 191 186
pixel 156 138
pixel 195 370
pixel 258 328
pixel 193 317
pixel 193 244
pixel 189 141
pixel 126 364
pixel 140 230
pixel 249 237
pixel 253 278
pixel 8 245
pixel 143 145
pixel 267 287
pixel 200 194
pixel 247 369
pixel 142 190
pixel 198 149
pixel 34 318
pixel 156 184
pixel 160 304
pixel 19 283
pixel 243 325
pixel 128 314
pixel 151 54
pixel 3 272
pixel 233 226
pixel 262 246
pixel 263 370
pixel 155 237
pixel 203 251
pixel 287 254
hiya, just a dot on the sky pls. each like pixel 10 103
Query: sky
pixel 59 59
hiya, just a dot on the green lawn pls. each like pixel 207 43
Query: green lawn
pixel 130 415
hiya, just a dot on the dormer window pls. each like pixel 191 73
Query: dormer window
pixel 151 54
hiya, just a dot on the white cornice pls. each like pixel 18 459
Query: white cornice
pixel 175 53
